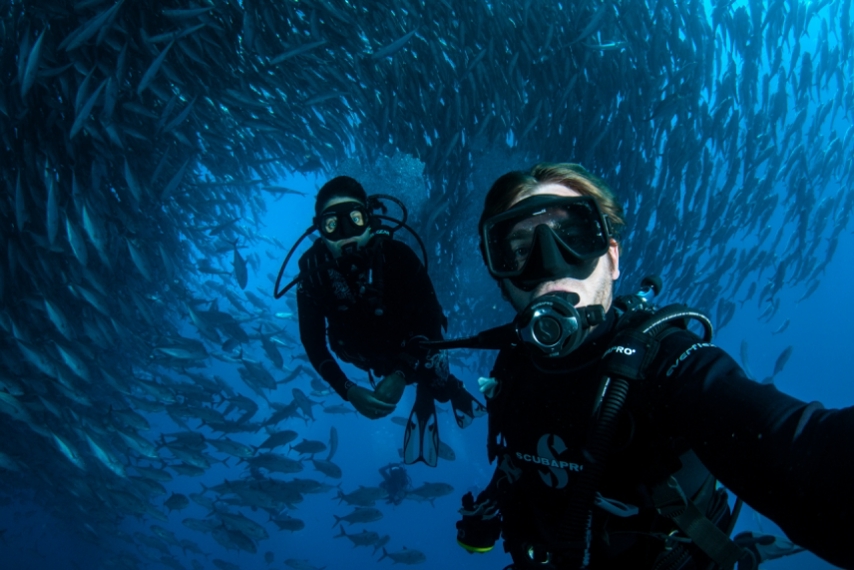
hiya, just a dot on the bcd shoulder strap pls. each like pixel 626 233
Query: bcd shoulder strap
pixel 670 502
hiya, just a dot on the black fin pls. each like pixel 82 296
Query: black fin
pixel 421 438
pixel 466 407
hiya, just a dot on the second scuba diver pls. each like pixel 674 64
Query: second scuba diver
pixel 373 297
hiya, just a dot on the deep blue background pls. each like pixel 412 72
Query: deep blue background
pixel 817 370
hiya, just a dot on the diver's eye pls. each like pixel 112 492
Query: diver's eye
pixel 520 255
pixel 357 218
pixel 329 224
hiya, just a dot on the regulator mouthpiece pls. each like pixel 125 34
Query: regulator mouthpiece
pixel 552 327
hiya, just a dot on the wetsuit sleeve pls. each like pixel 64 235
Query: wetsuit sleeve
pixel 405 273
pixel 312 331
pixel 790 460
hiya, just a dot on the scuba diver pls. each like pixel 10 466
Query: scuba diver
pixel 611 422
pixel 395 482
pixel 374 299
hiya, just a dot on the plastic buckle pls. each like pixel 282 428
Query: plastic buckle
pixel 670 499
pixel 673 540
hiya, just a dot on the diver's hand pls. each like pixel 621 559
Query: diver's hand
pixel 480 526
pixel 367 403
pixel 390 389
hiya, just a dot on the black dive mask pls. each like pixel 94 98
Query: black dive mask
pixel 552 327
pixel 342 221
pixel 544 238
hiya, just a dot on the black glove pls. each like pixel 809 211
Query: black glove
pixel 480 526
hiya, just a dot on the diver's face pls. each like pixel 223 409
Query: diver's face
pixel 594 289
pixel 337 247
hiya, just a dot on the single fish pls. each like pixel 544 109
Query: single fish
pixel 282 190
pixel 364 538
pixel 177 502
pixel 32 66
pixel 285 522
pixel 86 110
pixel 359 515
pixel 327 468
pixel 102 21
pixel 445 452
pixel 394 46
pixel 782 328
pixel 782 360
pixel 240 272
pixel 151 72
pixel 296 51
pixel 277 439
pixel 405 556
pixel 309 447
pixel 363 496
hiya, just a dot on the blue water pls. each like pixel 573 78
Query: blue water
pixel 818 370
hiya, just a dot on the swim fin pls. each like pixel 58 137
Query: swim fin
pixel 466 407
pixel 421 438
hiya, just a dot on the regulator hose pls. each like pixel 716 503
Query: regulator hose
pixel 576 529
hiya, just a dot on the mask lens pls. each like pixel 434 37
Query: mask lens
pixel 330 224
pixel 517 249
pixel 582 231
pixel 343 221
pixel 575 222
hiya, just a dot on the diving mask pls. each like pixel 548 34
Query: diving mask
pixel 343 221
pixel 546 237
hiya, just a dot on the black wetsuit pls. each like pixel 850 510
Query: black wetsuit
pixel 369 323
pixel 783 457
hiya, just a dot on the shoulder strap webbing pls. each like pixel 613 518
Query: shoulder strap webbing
pixel 374 290
pixel 670 502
